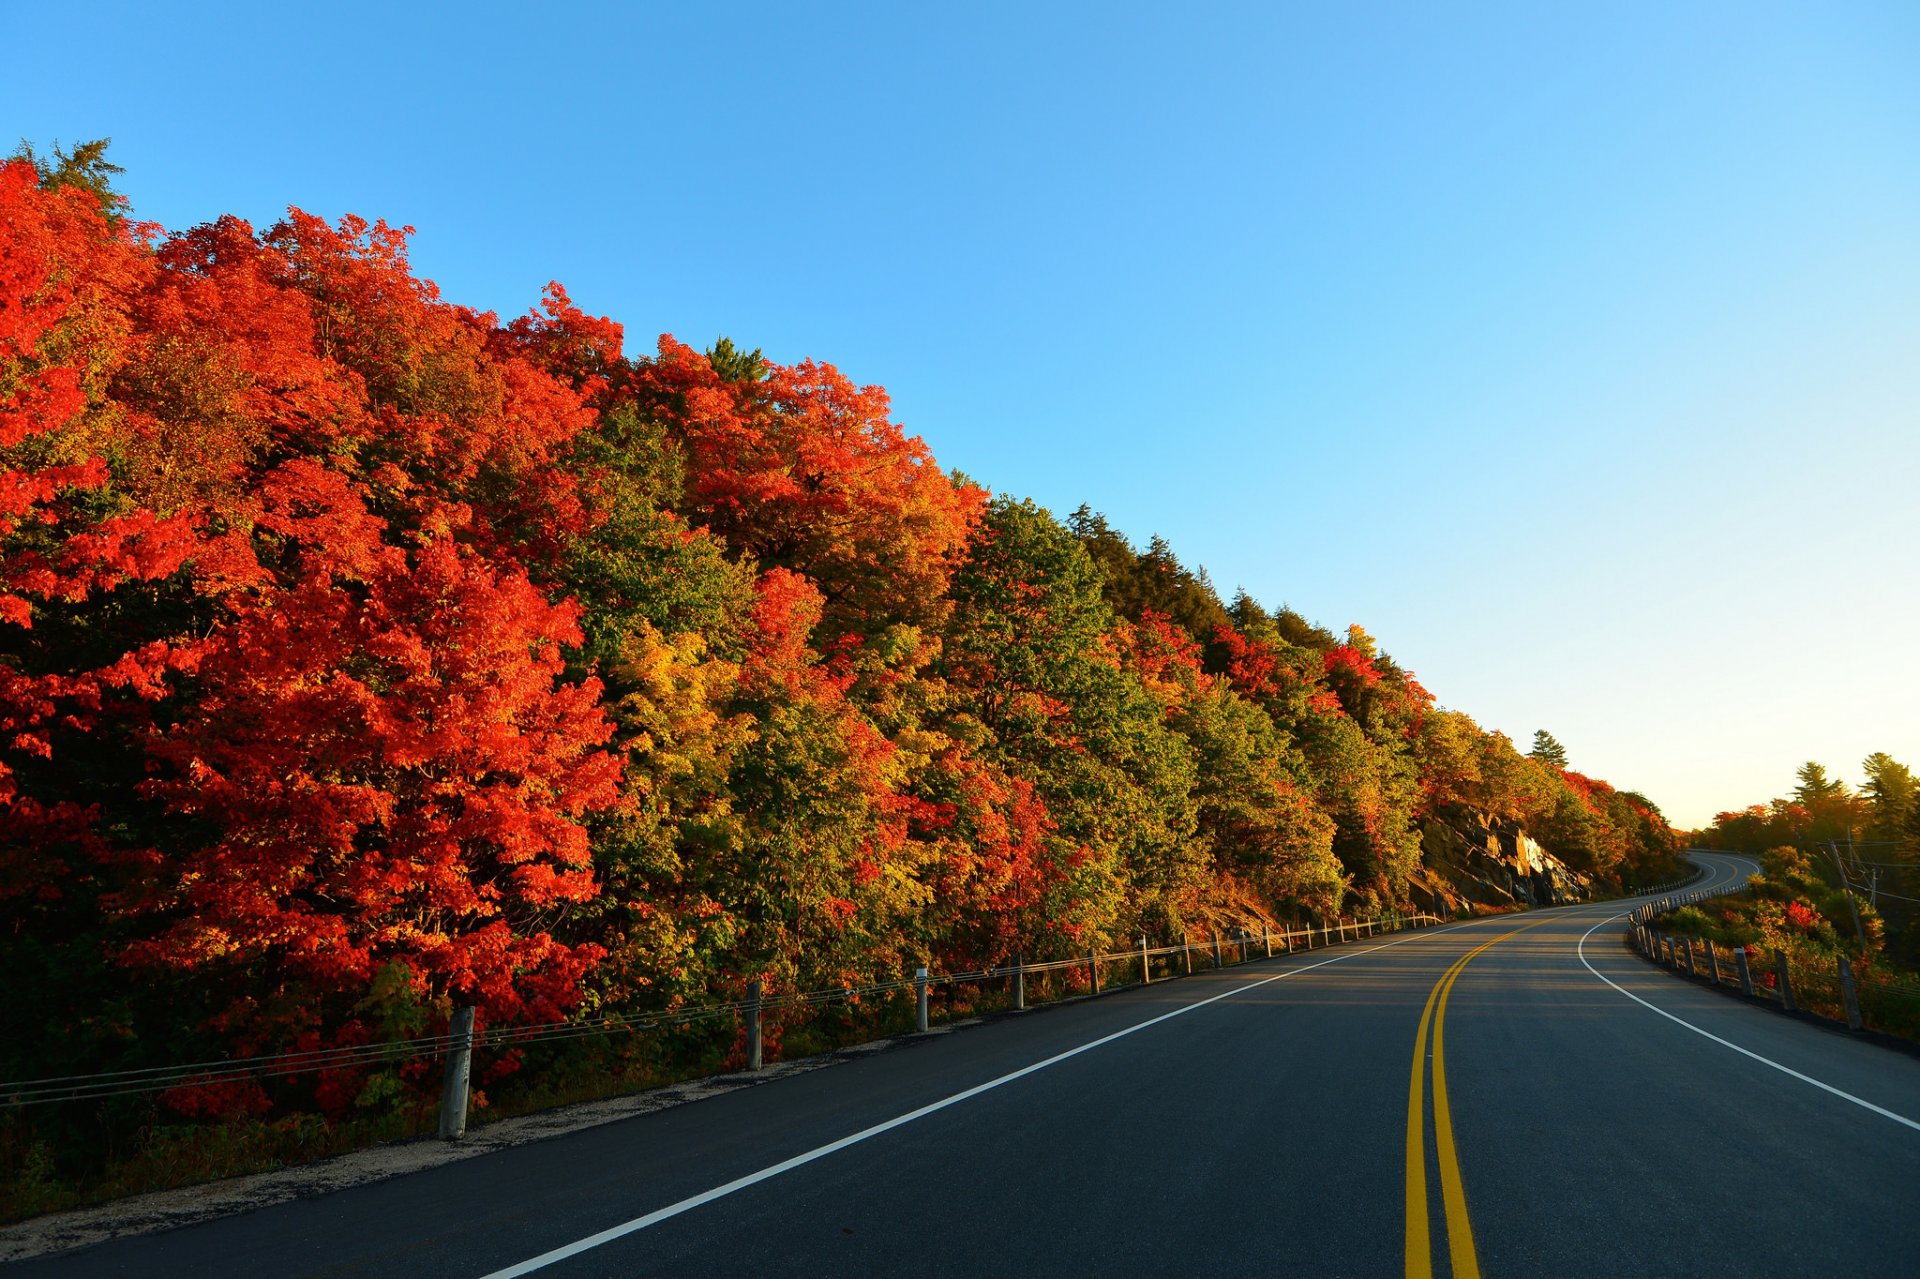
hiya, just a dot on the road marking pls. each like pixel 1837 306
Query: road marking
pixel 1581 950
pixel 1419 1237
pixel 620 1231
pixel 1453 1191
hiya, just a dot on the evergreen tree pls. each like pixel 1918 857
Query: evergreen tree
pixel 1154 580
pixel 1547 749
pixel 736 365
pixel 1815 785
pixel 1891 789
pixel 86 167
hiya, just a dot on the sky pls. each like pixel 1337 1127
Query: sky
pixel 1573 351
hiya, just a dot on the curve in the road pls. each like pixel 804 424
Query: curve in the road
pixel 1841 1093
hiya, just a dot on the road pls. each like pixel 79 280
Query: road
pixel 1501 1097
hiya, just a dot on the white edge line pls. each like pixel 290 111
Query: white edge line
pixel 1744 1052
pixel 608 1235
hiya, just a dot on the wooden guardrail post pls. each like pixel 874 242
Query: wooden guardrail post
pixel 1219 961
pixel 920 1000
pixel 453 1089
pixel 1713 962
pixel 753 1024
pixel 1691 970
pixel 1746 973
pixel 1146 963
pixel 1019 983
pixel 1093 972
pixel 1266 936
pixel 1849 995
pixel 1785 979
pixel 1186 952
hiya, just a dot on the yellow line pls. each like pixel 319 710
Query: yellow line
pixel 1419 1234
pixel 1466 1264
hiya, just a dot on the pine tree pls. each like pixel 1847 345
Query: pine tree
pixel 1891 789
pixel 86 167
pixel 1815 785
pixel 1547 749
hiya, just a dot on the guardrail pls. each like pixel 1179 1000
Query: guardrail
pixel 1869 1000
pixel 463 1038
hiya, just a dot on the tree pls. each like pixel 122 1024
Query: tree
pixel 735 365
pixel 1815 785
pixel 1153 580
pixel 1891 789
pixel 385 767
pixel 1259 824
pixel 85 168
pixel 1031 655
pixel 70 532
pixel 1547 749
pixel 799 468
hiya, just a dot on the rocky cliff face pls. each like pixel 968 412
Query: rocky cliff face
pixel 1469 856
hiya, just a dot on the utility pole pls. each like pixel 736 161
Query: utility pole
pixel 1847 886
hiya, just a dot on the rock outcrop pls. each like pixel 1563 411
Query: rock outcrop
pixel 1469 856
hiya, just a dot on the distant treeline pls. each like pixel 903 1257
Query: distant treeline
pixel 1821 809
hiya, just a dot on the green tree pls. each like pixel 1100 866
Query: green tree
pixel 1891 790
pixel 1815 785
pixel 85 167
pixel 1547 749
pixel 1827 808
pixel 1153 580
pixel 736 365
pixel 1030 655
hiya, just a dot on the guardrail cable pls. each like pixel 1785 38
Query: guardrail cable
pixel 150 1079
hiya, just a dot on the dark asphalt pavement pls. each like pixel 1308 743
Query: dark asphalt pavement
pixel 1264 1132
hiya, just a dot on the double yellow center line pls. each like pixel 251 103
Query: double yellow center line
pixel 1453 1193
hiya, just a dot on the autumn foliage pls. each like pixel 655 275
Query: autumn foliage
pixel 362 655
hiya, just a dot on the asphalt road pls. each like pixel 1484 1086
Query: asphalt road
pixel 1275 1117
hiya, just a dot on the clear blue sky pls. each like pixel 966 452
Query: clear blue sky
pixel 1572 350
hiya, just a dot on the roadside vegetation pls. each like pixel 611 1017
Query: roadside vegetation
pixel 1790 909
pixel 364 656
